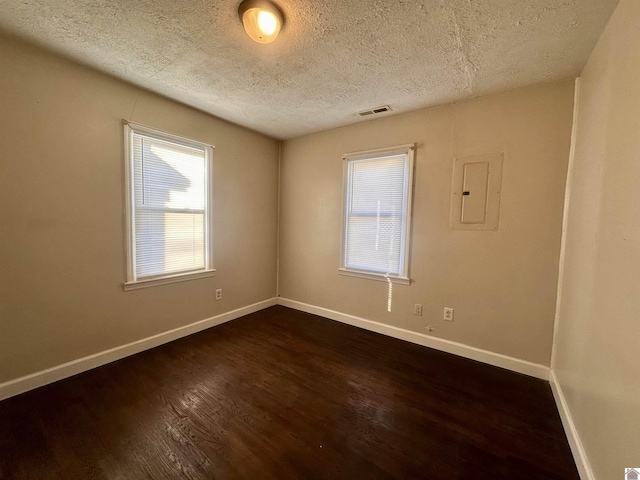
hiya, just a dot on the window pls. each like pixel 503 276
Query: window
pixel 377 213
pixel 168 208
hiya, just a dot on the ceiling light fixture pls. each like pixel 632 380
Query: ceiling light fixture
pixel 262 20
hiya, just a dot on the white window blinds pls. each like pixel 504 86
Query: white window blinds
pixel 377 202
pixel 169 208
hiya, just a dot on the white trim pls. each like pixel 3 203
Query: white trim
pixel 383 151
pixel 565 219
pixel 53 374
pixel 181 277
pixel 473 353
pixel 381 277
pixel 579 454
pixel 170 137
pixel 406 151
pixel 129 244
pixel 131 129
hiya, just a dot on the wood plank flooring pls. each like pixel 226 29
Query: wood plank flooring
pixel 281 394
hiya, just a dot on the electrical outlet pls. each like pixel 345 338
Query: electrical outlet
pixel 417 309
pixel 218 294
pixel 448 314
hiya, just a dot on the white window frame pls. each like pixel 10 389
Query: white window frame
pixel 132 282
pixel 408 152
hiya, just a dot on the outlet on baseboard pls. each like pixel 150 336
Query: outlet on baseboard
pixel 218 294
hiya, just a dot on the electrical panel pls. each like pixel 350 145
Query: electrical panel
pixel 475 192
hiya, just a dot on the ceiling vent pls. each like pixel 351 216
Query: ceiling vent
pixel 373 111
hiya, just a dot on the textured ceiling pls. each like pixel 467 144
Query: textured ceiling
pixel 332 59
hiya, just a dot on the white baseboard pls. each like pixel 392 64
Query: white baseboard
pixel 579 454
pixel 485 356
pixel 50 375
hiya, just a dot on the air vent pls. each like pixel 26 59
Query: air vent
pixel 373 111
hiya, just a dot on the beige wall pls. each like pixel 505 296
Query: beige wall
pixel 597 351
pixel 61 214
pixel 501 284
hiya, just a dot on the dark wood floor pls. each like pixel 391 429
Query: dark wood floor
pixel 282 394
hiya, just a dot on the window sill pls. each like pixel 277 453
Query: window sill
pixel 181 277
pixel 374 276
